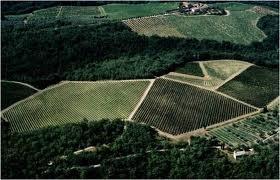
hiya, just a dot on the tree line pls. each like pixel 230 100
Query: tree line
pixel 124 150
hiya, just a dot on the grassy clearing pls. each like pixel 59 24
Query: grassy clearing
pixel 12 92
pixel 177 108
pixel 257 86
pixel 191 69
pixel 72 102
pixel 126 11
pixel 248 131
pixel 239 27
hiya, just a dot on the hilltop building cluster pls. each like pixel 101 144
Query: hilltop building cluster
pixel 192 8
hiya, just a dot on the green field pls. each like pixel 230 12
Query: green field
pixel 257 86
pixel 126 11
pixel 12 92
pixel 218 71
pixel 238 27
pixel 233 6
pixel 91 14
pixel 191 69
pixel 250 131
pixel 72 102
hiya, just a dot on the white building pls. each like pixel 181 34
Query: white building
pixel 238 153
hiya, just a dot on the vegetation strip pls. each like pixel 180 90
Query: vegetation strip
pixel 142 99
pixel 24 84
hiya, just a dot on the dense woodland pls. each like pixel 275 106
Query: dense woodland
pixel 124 150
pixel 47 52
pixel 110 50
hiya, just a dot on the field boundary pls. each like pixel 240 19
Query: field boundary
pixel 32 96
pixel 201 131
pixel 24 84
pixel 108 81
pixel 273 102
pixel 236 100
pixel 233 76
pixel 62 83
pixel 141 100
pixel 272 135
pixel 183 82
pixel 186 75
pixel 102 11
pixel 204 71
pixel 210 89
pixel 232 120
pixel 58 14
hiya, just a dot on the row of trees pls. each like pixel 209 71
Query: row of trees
pixel 132 151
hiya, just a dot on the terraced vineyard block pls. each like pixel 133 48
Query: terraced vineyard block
pixel 256 85
pixel 72 102
pixel 177 108
pixel 249 131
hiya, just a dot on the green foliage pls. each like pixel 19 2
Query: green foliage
pixel 191 69
pixel 27 155
pixel 248 131
pixel 135 139
pixel 125 11
pixel 256 85
pixel 13 92
pixel 69 51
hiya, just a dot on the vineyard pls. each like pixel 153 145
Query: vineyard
pixel 206 83
pixel 218 71
pixel 250 131
pixel 87 14
pixel 238 27
pixel 178 108
pixel 257 86
pixel 12 92
pixel 126 11
pixel 74 101
pixel 153 26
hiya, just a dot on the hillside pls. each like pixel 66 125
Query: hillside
pixel 139 90
pixel 11 92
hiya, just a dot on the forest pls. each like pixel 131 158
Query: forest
pixel 110 50
pixel 124 150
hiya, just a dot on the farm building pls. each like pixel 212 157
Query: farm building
pixel 237 154
pixel 88 149
pixel 193 7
